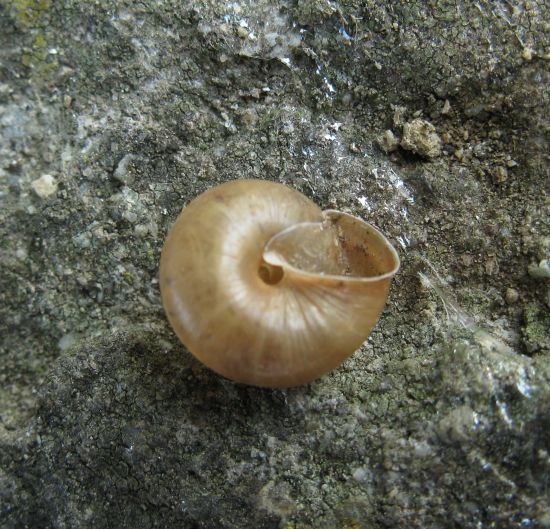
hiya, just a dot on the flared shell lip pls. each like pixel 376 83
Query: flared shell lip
pixel 352 279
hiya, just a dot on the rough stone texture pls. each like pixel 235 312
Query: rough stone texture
pixel 419 136
pixel 440 420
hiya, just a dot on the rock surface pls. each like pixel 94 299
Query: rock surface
pixel 132 109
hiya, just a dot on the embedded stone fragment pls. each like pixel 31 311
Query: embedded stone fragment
pixel 419 136
pixel 387 141
pixel 44 186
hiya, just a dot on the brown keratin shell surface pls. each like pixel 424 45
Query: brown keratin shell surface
pixel 265 288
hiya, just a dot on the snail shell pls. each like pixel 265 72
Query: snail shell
pixel 265 288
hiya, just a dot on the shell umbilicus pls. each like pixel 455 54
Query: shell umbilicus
pixel 265 288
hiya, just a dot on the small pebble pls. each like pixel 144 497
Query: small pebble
pixel 540 271
pixel 511 296
pixel 21 254
pixel 387 141
pixel 500 174
pixel 419 136
pixel 45 186
pixel 360 474
pixel 122 172
pixel 66 341
pixel 527 54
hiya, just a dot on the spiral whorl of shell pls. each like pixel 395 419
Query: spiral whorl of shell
pixel 265 288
